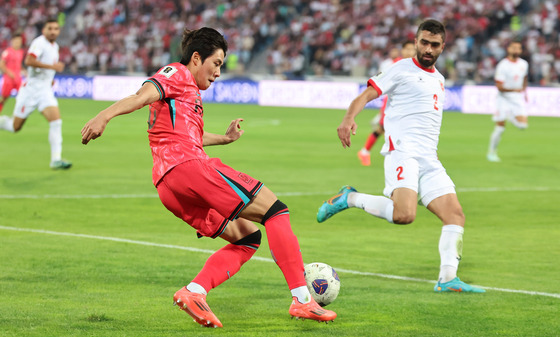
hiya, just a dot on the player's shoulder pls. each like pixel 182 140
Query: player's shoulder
pixel 174 74
pixel 172 70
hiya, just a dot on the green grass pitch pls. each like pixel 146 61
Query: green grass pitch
pixel 92 285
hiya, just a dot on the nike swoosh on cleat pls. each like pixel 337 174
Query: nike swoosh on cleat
pixel 456 290
pixel 330 201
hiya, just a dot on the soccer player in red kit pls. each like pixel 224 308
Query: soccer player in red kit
pixel 10 66
pixel 212 197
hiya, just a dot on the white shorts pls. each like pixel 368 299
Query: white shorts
pixel 31 97
pixel 425 175
pixel 509 106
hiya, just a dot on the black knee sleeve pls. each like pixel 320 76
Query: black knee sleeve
pixel 276 209
pixel 252 240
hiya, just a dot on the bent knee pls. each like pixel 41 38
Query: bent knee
pixel 403 218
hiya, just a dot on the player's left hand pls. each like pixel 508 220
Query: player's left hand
pixel 234 131
pixel 93 129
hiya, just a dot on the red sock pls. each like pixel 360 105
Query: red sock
pixel 223 264
pixel 284 248
pixel 371 141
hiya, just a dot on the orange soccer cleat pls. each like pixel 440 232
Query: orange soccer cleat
pixel 311 310
pixel 365 158
pixel 195 305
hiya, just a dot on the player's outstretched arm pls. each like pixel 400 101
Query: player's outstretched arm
pixel 147 94
pixel 348 125
pixel 232 134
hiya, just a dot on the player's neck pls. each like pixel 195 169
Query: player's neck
pixel 513 58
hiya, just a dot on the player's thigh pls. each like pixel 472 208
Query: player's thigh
pixel 401 171
pixel 434 180
pixel 260 204
pixel 26 103
pixel 206 221
pixel 6 89
pixel 49 107
pixel 401 185
pixel 502 109
pixel 212 184
pixel 238 229
pixel 405 203
pixel 448 209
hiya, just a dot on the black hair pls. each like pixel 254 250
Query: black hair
pixel 50 20
pixel 205 41
pixel 432 26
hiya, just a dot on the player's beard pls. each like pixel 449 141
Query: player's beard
pixel 425 63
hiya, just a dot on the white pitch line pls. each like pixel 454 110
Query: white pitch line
pixel 280 194
pixel 208 251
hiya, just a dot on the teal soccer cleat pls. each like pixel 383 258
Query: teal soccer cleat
pixel 61 165
pixel 456 285
pixel 335 204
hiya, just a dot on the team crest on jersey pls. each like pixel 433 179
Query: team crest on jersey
pixel 168 71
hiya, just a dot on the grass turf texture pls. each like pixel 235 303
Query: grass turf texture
pixel 54 285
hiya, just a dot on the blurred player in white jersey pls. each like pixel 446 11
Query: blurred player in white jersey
pixel 412 168
pixel 408 50
pixel 511 81
pixel 37 92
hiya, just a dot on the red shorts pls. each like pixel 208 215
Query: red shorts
pixel 207 194
pixel 10 84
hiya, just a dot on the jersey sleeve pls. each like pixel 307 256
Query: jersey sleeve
pixel 169 81
pixel 5 54
pixel 500 76
pixel 36 48
pixel 384 82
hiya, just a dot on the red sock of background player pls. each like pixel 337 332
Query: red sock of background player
pixel 371 140
pixel 285 249
pixel 224 263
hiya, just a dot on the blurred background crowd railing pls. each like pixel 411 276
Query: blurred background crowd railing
pixel 293 39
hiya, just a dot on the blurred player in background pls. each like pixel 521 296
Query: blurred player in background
pixel 37 91
pixel 511 80
pixel 10 66
pixel 412 169
pixel 408 50
pixel 213 198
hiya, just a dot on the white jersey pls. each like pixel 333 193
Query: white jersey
pixel 512 75
pixel 45 52
pixel 414 110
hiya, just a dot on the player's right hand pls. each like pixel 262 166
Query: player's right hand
pixel 58 66
pixel 345 130
pixel 93 129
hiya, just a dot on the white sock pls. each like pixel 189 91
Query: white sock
pixel 196 288
pixel 6 123
pixel 55 139
pixel 364 150
pixel 302 294
pixel 495 138
pixel 450 251
pixel 375 205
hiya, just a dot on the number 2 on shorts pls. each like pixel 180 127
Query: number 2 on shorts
pixel 400 171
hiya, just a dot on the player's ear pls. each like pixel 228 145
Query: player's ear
pixel 196 59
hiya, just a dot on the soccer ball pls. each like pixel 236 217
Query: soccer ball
pixel 323 282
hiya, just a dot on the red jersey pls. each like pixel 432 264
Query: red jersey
pixel 13 58
pixel 175 125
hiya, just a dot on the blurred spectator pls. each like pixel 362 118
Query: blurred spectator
pixel 295 38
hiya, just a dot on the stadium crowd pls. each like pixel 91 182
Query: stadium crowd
pixel 298 37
